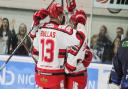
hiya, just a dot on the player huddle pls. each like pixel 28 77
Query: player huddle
pixel 60 49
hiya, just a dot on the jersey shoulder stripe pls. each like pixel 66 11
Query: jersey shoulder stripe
pixel 63 28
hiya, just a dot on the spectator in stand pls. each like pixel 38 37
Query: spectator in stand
pixel 24 49
pixel 103 46
pixel 1 37
pixel 120 32
pixel 6 36
pixel 1 23
pixel 93 41
pixel 117 40
pixel 12 23
pixel 116 44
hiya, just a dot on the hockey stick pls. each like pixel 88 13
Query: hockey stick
pixel 62 3
pixel 29 51
pixel 5 63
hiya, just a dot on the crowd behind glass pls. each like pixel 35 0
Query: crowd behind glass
pixel 9 39
pixel 103 48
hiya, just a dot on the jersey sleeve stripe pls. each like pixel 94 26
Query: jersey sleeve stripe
pixel 70 67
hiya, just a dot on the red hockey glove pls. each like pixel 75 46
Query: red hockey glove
pixel 71 5
pixel 88 58
pixel 39 15
pixel 43 13
pixel 36 18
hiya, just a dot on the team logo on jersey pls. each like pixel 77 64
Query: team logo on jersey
pixel 44 80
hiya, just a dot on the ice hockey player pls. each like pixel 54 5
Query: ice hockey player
pixel 76 67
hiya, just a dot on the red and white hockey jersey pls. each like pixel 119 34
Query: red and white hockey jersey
pixel 79 63
pixel 50 44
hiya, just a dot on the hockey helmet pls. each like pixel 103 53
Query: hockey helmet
pixel 81 17
pixel 55 10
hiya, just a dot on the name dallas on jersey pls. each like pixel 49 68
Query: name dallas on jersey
pixel 48 34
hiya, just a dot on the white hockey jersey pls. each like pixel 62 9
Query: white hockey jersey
pixel 83 58
pixel 50 44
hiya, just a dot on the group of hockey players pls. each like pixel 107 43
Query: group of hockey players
pixel 61 52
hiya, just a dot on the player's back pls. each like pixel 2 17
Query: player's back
pixel 81 58
pixel 52 41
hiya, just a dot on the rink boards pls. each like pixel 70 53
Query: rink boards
pixel 19 74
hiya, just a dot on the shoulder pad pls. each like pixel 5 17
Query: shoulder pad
pixel 64 28
pixel 67 29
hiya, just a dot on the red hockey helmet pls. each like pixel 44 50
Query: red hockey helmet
pixel 55 10
pixel 81 17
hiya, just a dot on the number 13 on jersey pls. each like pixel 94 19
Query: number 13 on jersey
pixel 47 49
